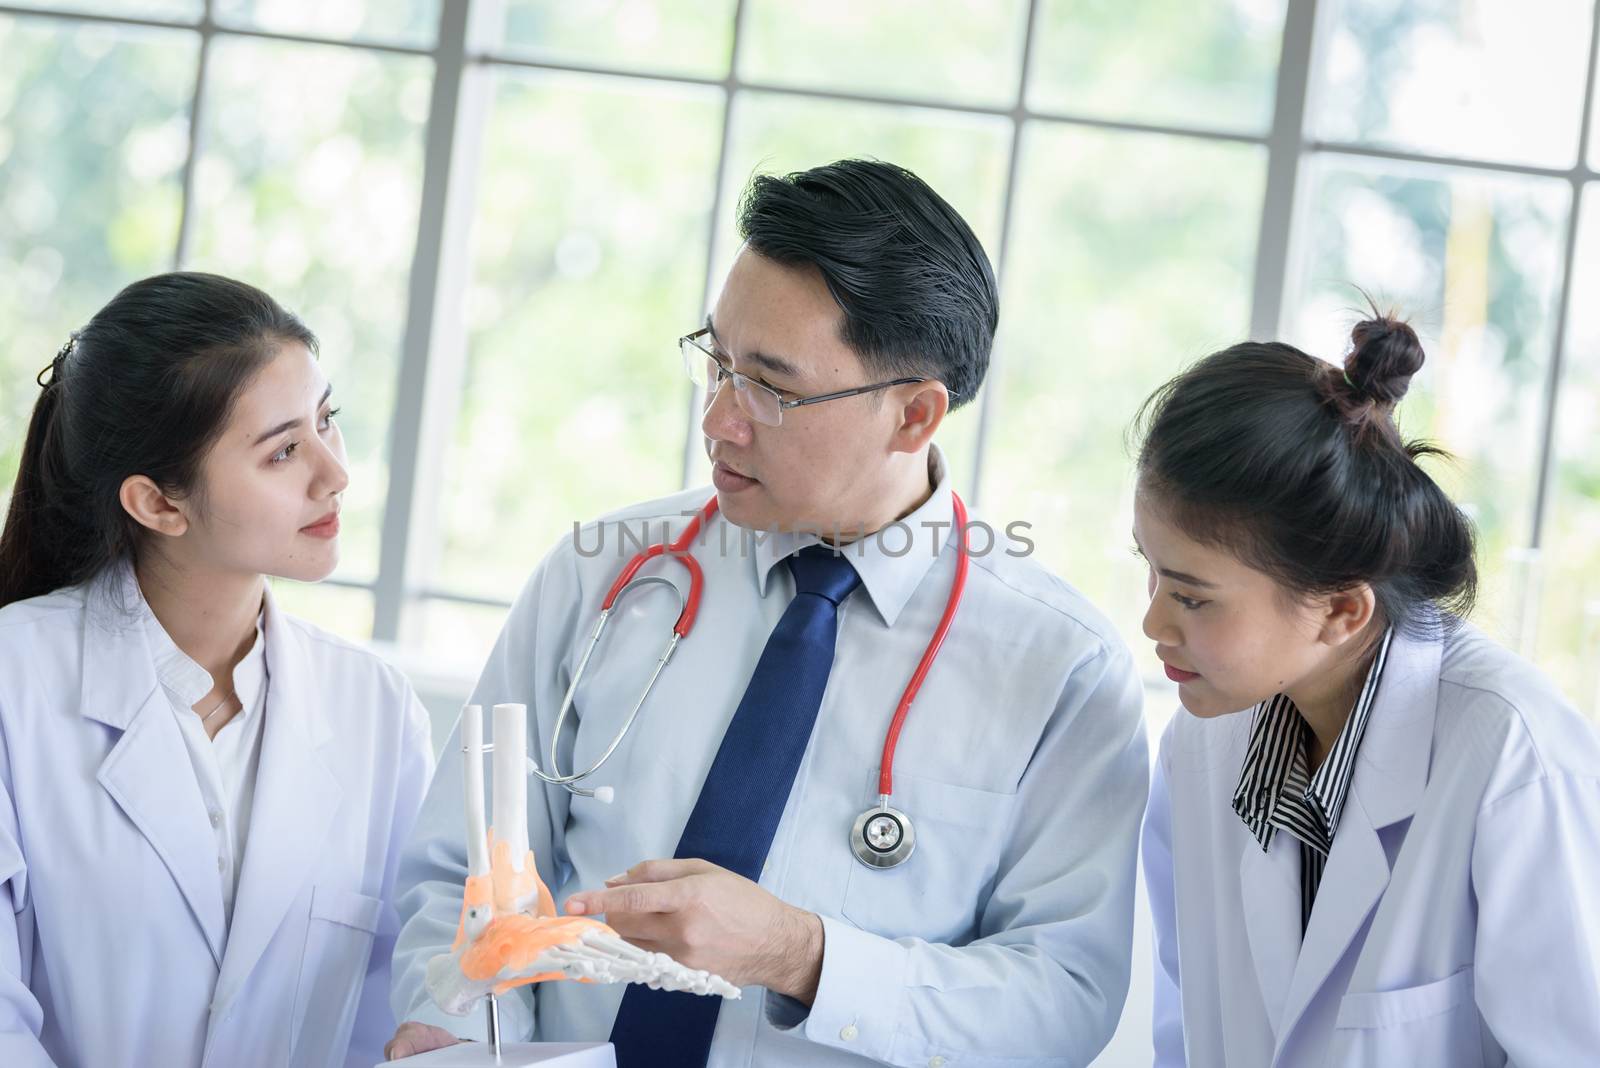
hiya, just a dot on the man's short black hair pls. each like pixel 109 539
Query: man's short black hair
pixel 917 291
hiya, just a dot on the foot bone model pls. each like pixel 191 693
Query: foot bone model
pixel 510 933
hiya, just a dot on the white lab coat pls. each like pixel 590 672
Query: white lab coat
pixel 1457 920
pixel 113 949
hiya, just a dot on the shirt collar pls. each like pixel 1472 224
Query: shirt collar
pixel 184 680
pixel 1273 790
pixel 893 562
pixel 250 676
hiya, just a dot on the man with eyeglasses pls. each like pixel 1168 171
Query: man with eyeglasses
pixel 860 310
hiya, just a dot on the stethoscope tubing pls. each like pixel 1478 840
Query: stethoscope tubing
pixel 689 607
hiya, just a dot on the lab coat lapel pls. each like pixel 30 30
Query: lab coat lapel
pixel 148 772
pixel 1355 877
pixel 297 798
pixel 1269 884
pixel 1390 776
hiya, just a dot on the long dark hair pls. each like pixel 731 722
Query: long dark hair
pixel 144 389
pixel 1296 467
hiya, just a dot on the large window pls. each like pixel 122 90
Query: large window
pixel 499 214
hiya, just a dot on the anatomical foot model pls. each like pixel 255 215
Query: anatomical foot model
pixel 510 933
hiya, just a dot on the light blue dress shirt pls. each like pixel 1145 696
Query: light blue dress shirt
pixel 1004 940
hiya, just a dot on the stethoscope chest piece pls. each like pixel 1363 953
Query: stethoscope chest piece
pixel 883 837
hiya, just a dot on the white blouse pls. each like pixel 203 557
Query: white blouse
pixel 224 767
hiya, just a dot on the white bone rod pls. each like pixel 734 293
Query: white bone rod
pixel 472 779
pixel 511 780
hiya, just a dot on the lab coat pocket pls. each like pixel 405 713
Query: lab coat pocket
pixel 936 893
pixel 1435 1023
pixel 332 969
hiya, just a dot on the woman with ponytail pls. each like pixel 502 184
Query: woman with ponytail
pixel 1373 836
pixel 202 798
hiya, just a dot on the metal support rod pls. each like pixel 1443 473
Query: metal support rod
pixel 494 1026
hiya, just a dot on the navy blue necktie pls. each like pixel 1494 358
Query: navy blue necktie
pixel 744 794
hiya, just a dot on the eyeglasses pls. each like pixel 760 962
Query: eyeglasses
pixel 759 401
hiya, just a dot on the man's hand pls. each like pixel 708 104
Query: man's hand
pixel 707 917
pixel 412 1038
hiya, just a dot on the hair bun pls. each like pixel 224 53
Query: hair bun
pixel 1384 354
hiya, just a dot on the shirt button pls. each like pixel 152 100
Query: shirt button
pixel 222 863
pixel 849 1033
pixel 216 818
pixel 937 1062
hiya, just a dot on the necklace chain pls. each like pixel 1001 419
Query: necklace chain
pixel 220 706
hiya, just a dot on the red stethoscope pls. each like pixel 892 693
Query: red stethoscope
pixel 882 837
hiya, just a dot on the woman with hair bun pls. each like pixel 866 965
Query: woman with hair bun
pixel 202 798
pixel 1373 836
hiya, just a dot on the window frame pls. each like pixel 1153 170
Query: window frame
pixel 433 348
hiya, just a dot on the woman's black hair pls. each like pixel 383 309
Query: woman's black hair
pixel 916 288
pixel 144 389
pixel 1296 467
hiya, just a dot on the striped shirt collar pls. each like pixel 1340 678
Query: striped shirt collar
pixel 1275 788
